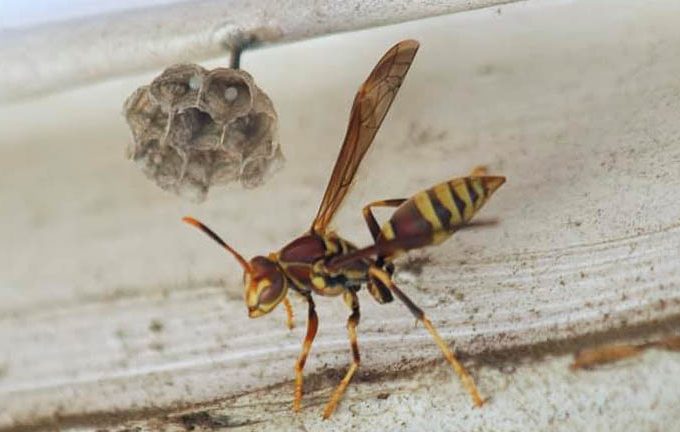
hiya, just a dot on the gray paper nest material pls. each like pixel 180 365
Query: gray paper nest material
pixel 193 128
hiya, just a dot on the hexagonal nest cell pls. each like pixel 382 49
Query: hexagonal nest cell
pixel 193 128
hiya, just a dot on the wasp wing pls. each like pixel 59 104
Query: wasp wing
pixel 384 248
pixel 370 106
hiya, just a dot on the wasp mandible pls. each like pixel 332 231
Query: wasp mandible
pixel 321 262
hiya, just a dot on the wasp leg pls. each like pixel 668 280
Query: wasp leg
pixel 463 375
pixel 382 295
pixel 290 317
pixel 312 326
pixel 352 301
pixel 370 219
pixel 478 171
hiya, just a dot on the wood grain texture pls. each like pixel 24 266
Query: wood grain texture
pixel 109 305
pixel 50 57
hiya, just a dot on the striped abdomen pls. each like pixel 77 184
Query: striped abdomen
pixel 433 215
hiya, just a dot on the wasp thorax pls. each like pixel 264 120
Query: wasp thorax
pixel 265 286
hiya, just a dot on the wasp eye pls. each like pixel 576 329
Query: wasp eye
pixel 270 291
pixel 267 287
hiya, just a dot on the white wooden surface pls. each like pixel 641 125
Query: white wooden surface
pixel 111 308
pixel 78 44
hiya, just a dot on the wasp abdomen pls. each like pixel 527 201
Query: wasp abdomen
pixel 431 216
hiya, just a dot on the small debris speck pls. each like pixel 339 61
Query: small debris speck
pixel 156 326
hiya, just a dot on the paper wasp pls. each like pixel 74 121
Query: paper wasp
pixel 320 262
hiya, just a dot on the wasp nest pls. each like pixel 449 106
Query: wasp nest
pixel 193 128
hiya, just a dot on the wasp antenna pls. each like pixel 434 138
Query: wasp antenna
pixel 211 233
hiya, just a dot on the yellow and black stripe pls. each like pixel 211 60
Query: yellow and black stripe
pixel 433 215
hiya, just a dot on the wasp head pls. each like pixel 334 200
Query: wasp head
pixel 265 286
pixel 264 282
